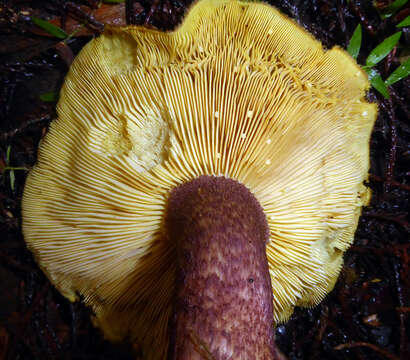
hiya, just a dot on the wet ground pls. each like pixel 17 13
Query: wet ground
pixel 367 314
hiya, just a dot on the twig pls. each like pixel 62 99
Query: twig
pixel 402 315
pixel 370 346
pixel 388 106
pixel 403 105
pixel 132 10
pixel 386 217
pixel 340 18
pixel 74 327
pixel 8 262
pixel 362 18
pixel 381 252
pixel 293 8
pixel 52 338
pixel 404 309
pixel 323 322
pixel 8 134
pixel 25 319
pixel 79 14
pixel 389 61
pixel 392 183
pixel 129 12
pixel 154 7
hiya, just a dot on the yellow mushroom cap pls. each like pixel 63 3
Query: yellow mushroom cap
pixel 238 90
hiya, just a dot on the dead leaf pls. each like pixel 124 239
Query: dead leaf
pixel 106 14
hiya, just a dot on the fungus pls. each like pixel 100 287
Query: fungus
pixel 151 124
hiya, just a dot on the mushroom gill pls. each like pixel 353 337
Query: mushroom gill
pixel 237 91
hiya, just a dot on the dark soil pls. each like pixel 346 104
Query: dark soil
pixel 367 314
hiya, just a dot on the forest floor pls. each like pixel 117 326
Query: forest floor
pixel 366 316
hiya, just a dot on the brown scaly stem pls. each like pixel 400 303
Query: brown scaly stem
pixel 223 303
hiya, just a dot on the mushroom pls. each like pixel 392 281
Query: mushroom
pixel 216 164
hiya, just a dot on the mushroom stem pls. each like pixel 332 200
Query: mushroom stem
pixel 223 303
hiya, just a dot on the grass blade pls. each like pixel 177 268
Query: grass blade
pixel 378 83
pixel 355 42
pixel 400 73
pixel 12 179
pixel 405 22
pixel 8 153
pixel 49 27
pixel 51 96
pixel 392 8
pixel 383 49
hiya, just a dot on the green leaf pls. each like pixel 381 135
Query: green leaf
pixel 383 49
pixel 392 8
pixel 49 27
pixel 51 96
pixel 378 83
pixel 12 180
pixel 8 153
pixel 400 73
pixel 113 1
pixel 355 42
pixel 14 168
pixel 405 22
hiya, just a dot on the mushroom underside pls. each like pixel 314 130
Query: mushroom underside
pixel 238 91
